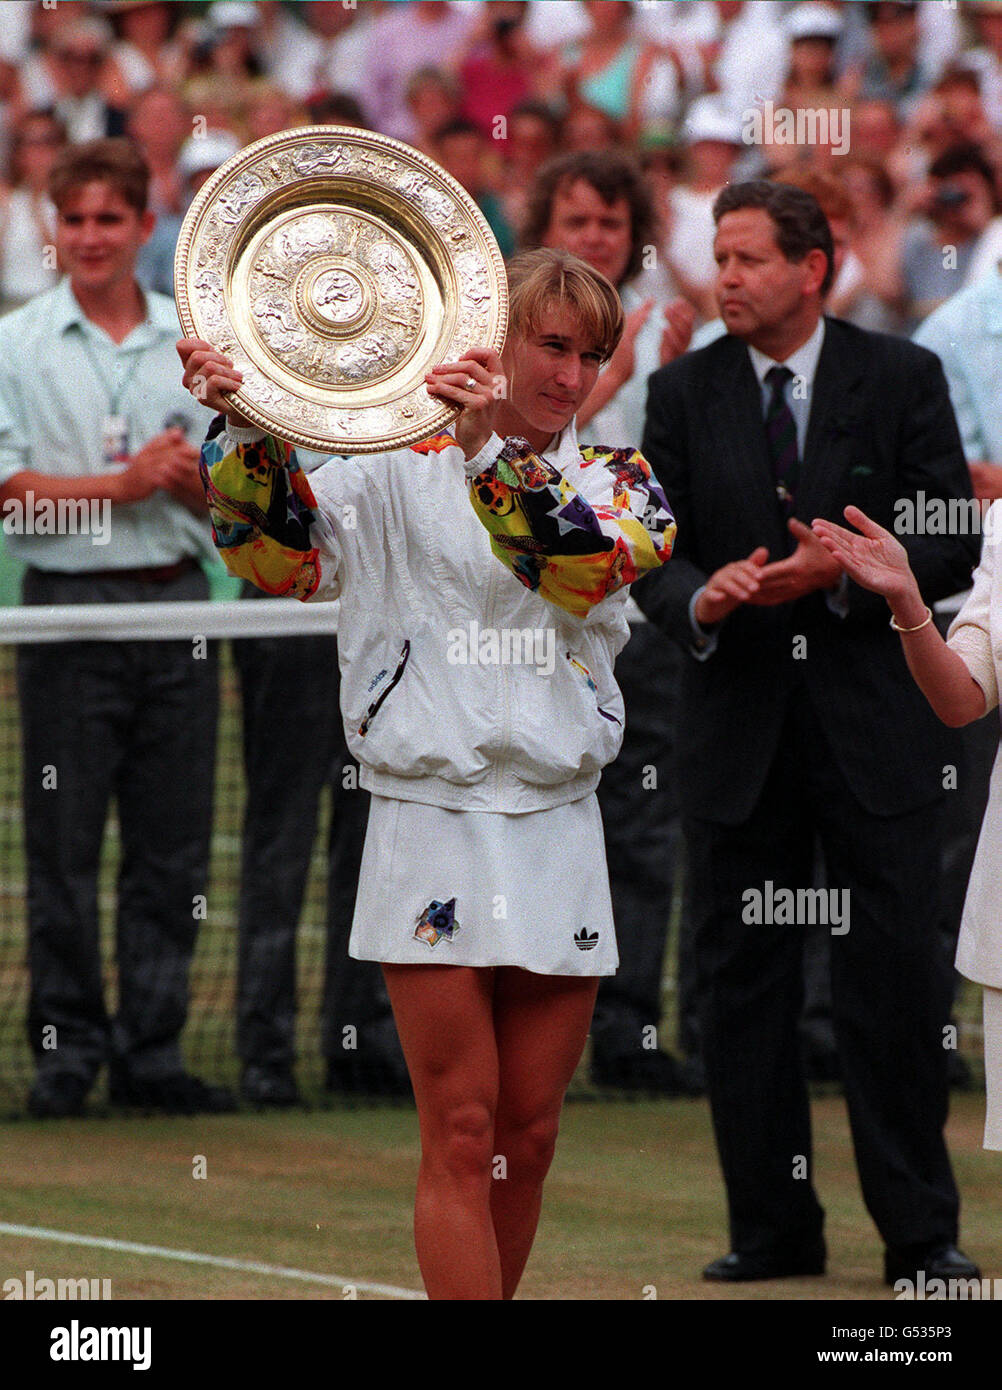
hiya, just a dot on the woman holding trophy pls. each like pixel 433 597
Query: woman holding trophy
pixel 482 577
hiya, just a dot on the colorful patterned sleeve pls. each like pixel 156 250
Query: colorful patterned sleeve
pixel 264 515
pixel 553 540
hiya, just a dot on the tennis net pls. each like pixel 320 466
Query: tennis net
pixel 209 1039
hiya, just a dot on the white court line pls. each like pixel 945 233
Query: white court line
pixel 194 1257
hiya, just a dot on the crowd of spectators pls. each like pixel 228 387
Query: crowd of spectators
pixel 904 104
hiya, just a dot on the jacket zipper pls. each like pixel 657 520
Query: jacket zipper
pixel 502 683
pixel 374 708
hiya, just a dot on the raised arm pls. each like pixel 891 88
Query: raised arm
pixel 573 552
pixel 266 523
pixel 877 561
pixel 553 540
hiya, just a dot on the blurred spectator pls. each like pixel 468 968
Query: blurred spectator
pixel 146 53
pixel 227 72
pixel 336 108
pixel 503 69
pixel 746 59
pixel 533 138
pixel 986 60
pixel 331 53
pixel 880 137
pixel 11 107
pixel 866 292
pixel 876 129
pixel 894 71
pixel 199 157
pixel 960 204
pixel 598 206
pixel 159 122
pixel 272 110
pixel 607 69
pixel 661 160
pixel 80 53
pixel 951 114
pixel 40 76
pixel 586 128
pixel 553 23
pixel 27 217
pixel 433 99
pixel 965 332
pixel 813 31
pixel 941 36
pixel 714 143
pixel 681 34
pixel 463 152
pixel 280 32
pixel 15 32
pixel 405 37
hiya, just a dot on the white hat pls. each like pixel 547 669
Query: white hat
pixel 232 14
pixel 208 151
pixel 708 119
pixel 813 20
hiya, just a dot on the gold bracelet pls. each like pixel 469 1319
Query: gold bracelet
pixel 924 623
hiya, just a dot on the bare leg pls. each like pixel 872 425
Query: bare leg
pixel 541 1024
pixel 444 1016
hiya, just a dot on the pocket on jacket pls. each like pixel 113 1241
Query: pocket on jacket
pixel 385 686
pixel 583 673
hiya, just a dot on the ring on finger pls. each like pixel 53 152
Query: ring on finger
pixel 471 383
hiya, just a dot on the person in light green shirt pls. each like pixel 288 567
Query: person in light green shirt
pixel 100 497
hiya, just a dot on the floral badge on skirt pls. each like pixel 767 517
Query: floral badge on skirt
pixel 437 920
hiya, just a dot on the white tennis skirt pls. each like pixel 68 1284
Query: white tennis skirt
pixel 483 888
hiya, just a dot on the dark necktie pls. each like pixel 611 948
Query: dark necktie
pixel 781 432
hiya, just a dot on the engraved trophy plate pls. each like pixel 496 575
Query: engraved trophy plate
pixel 336 267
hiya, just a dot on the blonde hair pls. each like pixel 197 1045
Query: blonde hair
pixel 547 279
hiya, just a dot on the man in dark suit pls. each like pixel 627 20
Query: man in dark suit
pixel 800 726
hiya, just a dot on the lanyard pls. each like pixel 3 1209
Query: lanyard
pixel 114 393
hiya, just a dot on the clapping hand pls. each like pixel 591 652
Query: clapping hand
pixel 679 321
pixel 809 568
pixel 730 586
pixel 871 556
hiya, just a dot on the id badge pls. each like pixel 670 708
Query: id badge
pixel 114 439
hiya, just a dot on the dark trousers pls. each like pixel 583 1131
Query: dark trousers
pixel 639 801
pixel 293 746
pixel 133 721
pixel 890 999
